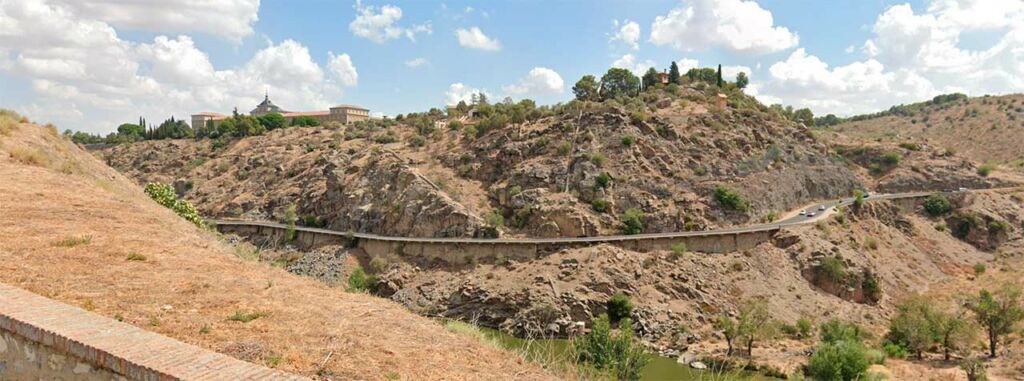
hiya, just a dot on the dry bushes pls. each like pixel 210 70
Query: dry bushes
pixel 9 121
pixel 30 156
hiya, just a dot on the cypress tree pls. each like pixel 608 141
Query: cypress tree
pixel 720 82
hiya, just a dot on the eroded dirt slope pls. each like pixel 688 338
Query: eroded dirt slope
pixel 68 225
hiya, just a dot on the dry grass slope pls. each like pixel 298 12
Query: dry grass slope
pixel 191 286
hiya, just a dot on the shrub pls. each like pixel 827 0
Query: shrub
pixel 979 268
pixel 895 350
pixel 599 205
pixel 638 117
pixel 358 281
pixel 628 140
pixel 619 354
pixel 417 141
pixel 598 159
pixel 891 158
pixel 679 249
pixel 632 221
pixel 833 269
pixel 133 256
pixel 469 132
pixel 245 317
pixel 619 307
pixel 834 331
pixel 74 241
pixel 872 289
pixel 731 199
pixel 996 227
pixel 910 146
pixel 985 169
pixel 603 180
pixel 564 148
pixel 494 219
pixel 455 125
pixel 29 156
pixel 937 205
pixel 871 243
pixel 289 218
pixel 804 328
pixel 842 360
pixel 164 195
pixel 378 264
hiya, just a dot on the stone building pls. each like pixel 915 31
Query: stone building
pixel 344 113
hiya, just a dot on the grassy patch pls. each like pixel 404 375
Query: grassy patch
pixel 74 241
pixel 245 317
pixel 133 256
pixel 30 156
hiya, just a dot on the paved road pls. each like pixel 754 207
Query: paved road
pixel 820 210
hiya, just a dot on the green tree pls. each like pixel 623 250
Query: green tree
pixel 586 88
pixel 911 326
pixel 619 307
pixel 953 332
pixel 305 121
pixel 937 204
pixel 650 78
pixel 618 354
pixel 838 361
pixel 731 198
pixel 741 80
pixel 131 131
pixel 998 313
pixel 633 221
pixel 618 82
pixel 272 121
pixel 673 73
pixel 754 323
pixel 718 77
pixel 730 330
pixel 804 116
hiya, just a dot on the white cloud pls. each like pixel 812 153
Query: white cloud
pixel 416 62
pixel 538 82
pixel 342 67
pixel 474 38
pixel 381 24
pixel 729 72
pixel 628 61
pixel 739 26
pixel 229 19
pixel 686 64
pixel 912 56
pixel 627 32
pixel 460 92
pixel 84 76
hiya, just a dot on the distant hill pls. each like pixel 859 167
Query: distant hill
pixel 983 129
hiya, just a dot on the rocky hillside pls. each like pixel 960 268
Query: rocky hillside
pixel 75 230
pixel 983 129
pixel 571 171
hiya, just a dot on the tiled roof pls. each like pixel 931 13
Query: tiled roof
pixel 210 114
pixel 305 113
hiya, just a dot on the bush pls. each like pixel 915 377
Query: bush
pixel 804 328
pixel 619 354
pixel 598 159
pixel 599 205
pixel 469 132
pixel 632 221
pixel 842 360
pixel 378 264
pixel 417 141
pixel 619 307
pixel 603 180
pixel 164 195
pixel 679 249
pixel 891 158
pixel 834 331
pixel 731 199
pixel 564 148
pixel 937 205
pixel 985 169
pixel 910 146
pixel 358 281
pixel 494 219
pixel 996 227
pixel 979 268
pixel 895 351
pixel 628 140
pixel 833 269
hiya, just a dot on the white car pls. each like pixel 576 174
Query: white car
pixel 803 212
pixel 811 214
pixel 821 207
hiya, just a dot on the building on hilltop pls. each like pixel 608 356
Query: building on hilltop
pixel 344 114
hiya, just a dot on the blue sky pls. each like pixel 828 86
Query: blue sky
pixel 91 64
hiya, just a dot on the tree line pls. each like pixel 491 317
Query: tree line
pixel 238 125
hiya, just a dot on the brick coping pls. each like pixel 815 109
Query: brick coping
pixel 118 347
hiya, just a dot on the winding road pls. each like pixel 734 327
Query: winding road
pixel 820 210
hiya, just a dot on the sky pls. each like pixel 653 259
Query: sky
pixel 90 65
